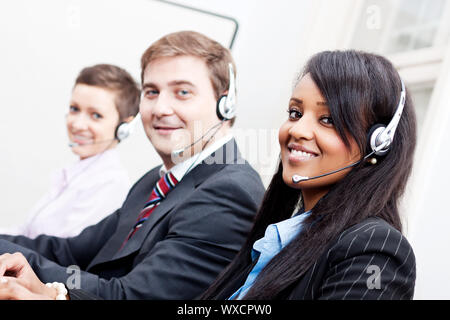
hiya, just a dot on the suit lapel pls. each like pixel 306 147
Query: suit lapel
pixel 228 154
pixel 132 207
pixel 176 196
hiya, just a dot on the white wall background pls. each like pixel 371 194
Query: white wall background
pixel 44 46
pixel 45 43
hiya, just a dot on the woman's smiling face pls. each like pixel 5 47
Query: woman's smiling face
pixel 310 144
pixel 92 120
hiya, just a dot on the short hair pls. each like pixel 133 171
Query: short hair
pixel 116 79
pixel 191 43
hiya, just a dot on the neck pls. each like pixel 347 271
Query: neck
pixel 312 196
pixel 168 164
pixel 200 146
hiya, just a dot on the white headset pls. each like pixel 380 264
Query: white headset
pixel 226 105
pixel 381 136
pixel 124 129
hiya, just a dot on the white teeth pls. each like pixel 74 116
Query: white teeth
pixel 81 137
pixel 302 153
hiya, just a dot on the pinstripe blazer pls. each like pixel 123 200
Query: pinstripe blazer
pixel 370 260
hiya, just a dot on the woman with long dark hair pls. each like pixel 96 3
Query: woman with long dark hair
pixel 337 236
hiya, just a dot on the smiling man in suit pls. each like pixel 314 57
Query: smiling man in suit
pixel 182 222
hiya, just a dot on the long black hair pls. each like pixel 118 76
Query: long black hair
pixel 361 90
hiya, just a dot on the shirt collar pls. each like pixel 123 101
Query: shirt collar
pixel 80 166
pixel 278 235
pixel 289 228
pixel 181 169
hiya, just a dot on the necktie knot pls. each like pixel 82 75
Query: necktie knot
pixel 159 192
pixel 166 184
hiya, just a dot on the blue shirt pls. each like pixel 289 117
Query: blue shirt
pixel 276 237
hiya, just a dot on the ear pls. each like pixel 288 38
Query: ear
pixel 128 119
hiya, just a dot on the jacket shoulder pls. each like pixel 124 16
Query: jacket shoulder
pixel 373 235
pixel 369 260
pixel 235 179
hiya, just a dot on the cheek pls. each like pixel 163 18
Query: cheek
pixel 145 110
pixel 197 121
pixel 146 119
pixel 106 130
pixel 283 133
pixel 333 146
pixel 185 116
pixel 69 122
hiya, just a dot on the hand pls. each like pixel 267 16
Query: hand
pixel 12 289
pixel 18 280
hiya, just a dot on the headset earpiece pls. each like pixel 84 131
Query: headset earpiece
pixel 374 140
pixel 222 112
pixel 124 129
pixel 380 136
pixel 226 105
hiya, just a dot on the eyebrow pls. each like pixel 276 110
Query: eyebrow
pixel 319 103
pixel 171 83
pixel 90 108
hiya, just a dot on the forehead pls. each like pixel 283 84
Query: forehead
pixel 163 71
pixel 307 92
pixel 306 86
pixel 94 97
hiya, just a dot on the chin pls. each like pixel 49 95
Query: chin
pixel 287 179
pixel 82 154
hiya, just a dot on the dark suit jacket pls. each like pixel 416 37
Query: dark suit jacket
pixel 349 268
pixel 187 240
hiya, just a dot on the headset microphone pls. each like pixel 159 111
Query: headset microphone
pixel 178 152
pixel 76 144
pixel 380 138
pixel 298 178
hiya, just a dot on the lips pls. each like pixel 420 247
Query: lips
pixel 300 153
pixel 165 129
pixel 79 139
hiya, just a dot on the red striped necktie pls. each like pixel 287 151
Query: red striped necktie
pixel 159 192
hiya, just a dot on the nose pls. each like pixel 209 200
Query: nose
pixel 162 105
pixel 77 121
pixel 303 128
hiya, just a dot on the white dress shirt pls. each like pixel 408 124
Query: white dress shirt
pixel 81 194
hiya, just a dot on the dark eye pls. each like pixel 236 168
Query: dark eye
pixel 150 93
pixel 327 120
pixel 294 114
pixel 73 109
pixel 96 115
pixel 183 93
